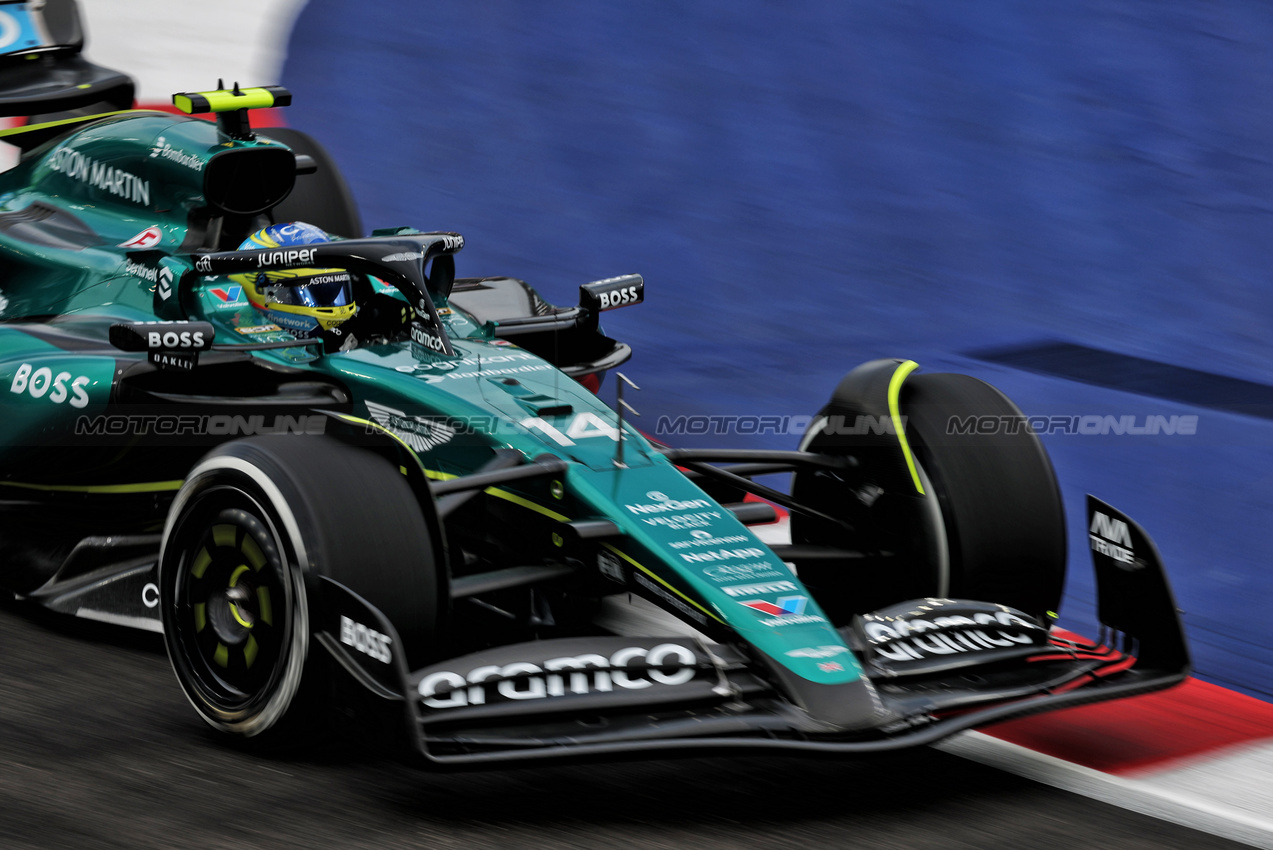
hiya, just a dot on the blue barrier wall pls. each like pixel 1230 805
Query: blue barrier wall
pixel 806 188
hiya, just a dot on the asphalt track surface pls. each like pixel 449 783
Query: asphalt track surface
pixel 99 749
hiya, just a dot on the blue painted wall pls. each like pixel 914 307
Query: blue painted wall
pixel 806 186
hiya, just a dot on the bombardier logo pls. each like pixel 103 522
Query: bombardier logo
pixel 1112 537
pixel 631 668
pixel 164 150
pixel 418 432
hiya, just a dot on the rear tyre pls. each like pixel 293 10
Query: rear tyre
pixel 323 198
pixel 255 524
pixel 990 525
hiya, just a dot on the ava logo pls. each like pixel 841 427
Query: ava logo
pixel 228 294
pixel 1113 530
pixel 787 606
pixel 1112 538
pixel 148 238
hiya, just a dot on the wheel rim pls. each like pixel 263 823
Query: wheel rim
pixel 232 604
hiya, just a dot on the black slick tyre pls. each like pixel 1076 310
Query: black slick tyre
pixel 255 524
pixel 322 198
pixel 988 526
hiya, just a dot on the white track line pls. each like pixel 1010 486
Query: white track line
pixel 169 46
pixel 1228 795
pixel 1137 795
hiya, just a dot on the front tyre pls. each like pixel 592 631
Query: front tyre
pixel 255 524
pixel 988 525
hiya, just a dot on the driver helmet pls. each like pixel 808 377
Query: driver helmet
pixel 301 301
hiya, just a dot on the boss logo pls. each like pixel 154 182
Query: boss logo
pixel 367 641
pixel 612 292
pixel 174 340
pixel 162 336
pixel 620 297
pixel 43 382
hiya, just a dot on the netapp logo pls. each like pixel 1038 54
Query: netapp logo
pixel 632 668
pixel 722 555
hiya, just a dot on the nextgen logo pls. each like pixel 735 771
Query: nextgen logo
pixel 663 504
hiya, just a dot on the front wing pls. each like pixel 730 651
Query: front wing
pixel 604 697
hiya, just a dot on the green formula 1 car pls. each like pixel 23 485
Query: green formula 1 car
pixel 416 505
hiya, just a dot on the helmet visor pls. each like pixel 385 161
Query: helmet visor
pixel 330 289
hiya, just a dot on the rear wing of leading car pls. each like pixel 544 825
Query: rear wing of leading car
pixel 41 69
